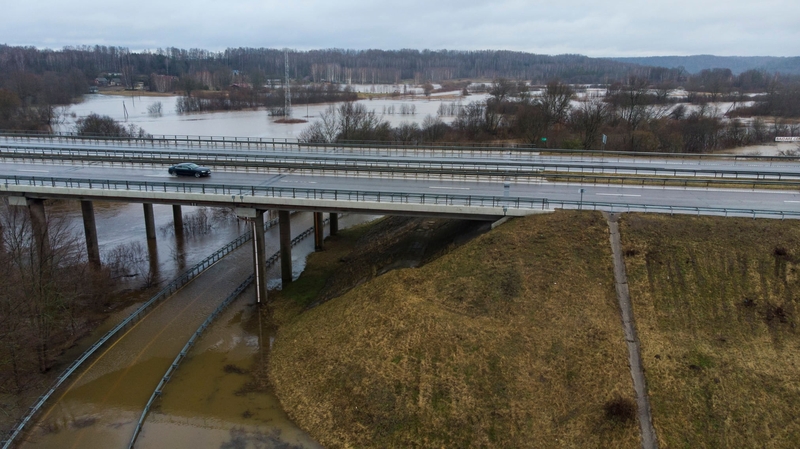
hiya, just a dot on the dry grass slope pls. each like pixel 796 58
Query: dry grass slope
pixel 716 303
pixel 513 340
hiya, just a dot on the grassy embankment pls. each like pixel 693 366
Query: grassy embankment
pixel 512 340
pixel 716 304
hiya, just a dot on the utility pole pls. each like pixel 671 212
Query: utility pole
pixel 287 103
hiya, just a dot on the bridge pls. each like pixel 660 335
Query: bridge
pixel 256 175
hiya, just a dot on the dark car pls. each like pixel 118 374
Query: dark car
pixel 189 169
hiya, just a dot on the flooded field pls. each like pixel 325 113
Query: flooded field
pixel 133 110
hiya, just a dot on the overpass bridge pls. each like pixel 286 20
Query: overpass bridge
pixel 483 183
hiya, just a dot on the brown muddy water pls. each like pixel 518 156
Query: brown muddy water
pixel 207 403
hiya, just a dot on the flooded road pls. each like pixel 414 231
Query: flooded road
pixel 207 403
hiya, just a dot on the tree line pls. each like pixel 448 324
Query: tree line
pixel 630 115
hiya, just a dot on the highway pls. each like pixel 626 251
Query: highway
pixel 564 195
pixel 476 182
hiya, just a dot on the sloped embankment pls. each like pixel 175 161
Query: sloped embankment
pixel 716 306
pixel 512 340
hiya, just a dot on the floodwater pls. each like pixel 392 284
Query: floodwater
pixel 256 123
pixel 207 403
pixel 121 234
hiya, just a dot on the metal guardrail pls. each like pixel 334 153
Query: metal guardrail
pixel 183 353
pixel 278 192
pixel 164 293
pixel 460 148
pixel 372 196
pixel 314 163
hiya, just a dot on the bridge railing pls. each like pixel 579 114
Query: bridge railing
pixel 316 164
pixel 238 195
pixel 380 147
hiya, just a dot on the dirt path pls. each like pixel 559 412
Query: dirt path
pixel 649 439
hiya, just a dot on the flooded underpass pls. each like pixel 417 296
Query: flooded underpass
pixel 207 402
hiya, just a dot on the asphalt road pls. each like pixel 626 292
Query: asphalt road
pixel 774 200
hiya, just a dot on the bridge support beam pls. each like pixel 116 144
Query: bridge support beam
pixel 319 231
pixel 149 221
pixel 90 231
pixel 177 220
pixel 286 246
pixel 334 223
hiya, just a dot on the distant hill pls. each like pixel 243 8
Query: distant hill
pixel 737 64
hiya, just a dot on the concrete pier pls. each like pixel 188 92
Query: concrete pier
pixel 90 231
pixel 286 246
pixel 177 220
pixel 39 227
pixel 319 231
pixel 334 224
pixel 149 221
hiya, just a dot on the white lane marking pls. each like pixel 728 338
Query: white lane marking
pixel 156 176
pixel 299 182
pixel 616 194
pixel 33 171
pixel 789 201
pixel 448 188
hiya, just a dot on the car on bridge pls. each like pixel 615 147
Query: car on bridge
pixel 189 169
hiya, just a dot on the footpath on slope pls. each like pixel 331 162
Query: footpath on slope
pixel 649 439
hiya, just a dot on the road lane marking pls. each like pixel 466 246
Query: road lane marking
pixel 616 194
pixel 790 201
pixel 34 171
pixel 448 188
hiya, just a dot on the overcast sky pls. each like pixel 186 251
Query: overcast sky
pixel 593 28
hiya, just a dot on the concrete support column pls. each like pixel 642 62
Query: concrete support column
pixel 149 221
pixel 286 246
pixel 177 219
pixel 39 227
pixel 319 231
pixel 334 224
pixel 90 231
pixel 259 257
